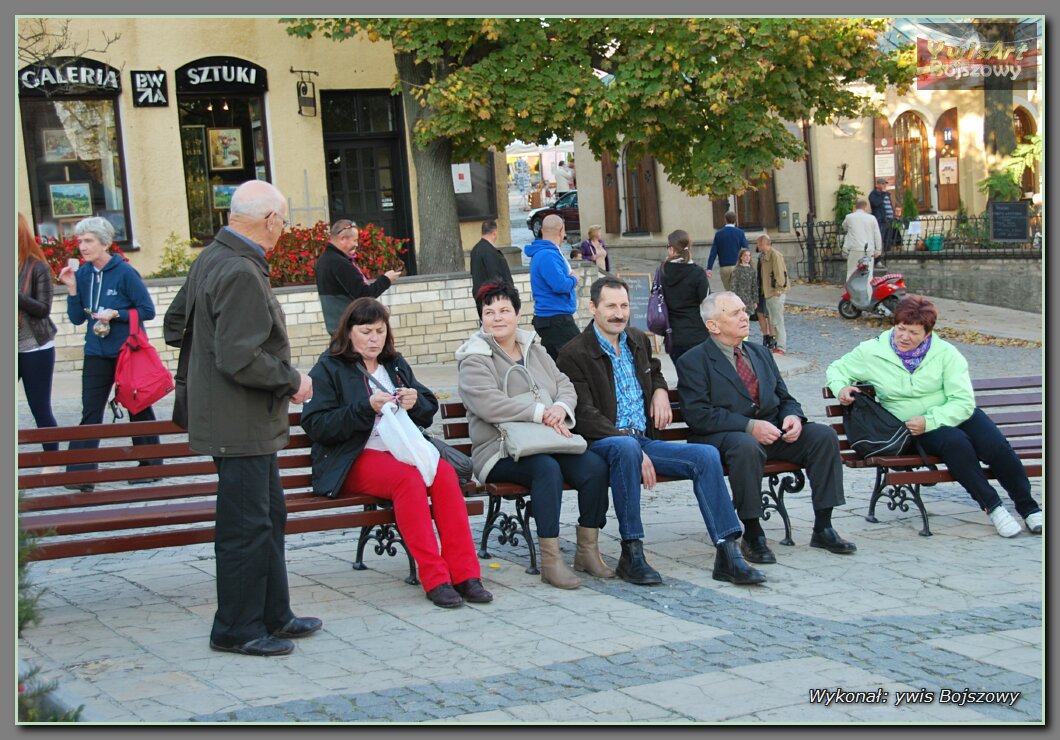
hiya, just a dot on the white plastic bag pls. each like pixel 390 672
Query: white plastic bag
pixel 405 441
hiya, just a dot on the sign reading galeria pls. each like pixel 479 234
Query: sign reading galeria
pixel 68 76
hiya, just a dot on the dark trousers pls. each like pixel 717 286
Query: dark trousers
pixel 97 379
pixel 544 476
pixel 252 595
pixel 679 349
pixel 816 449
pixel 555 331
pixel 35 372
pixel 978 439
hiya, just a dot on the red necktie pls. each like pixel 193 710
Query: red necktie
pixel 748 377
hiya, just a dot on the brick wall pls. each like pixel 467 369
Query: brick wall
pixel 430 315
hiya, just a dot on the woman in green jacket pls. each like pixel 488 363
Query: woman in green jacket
pixel 923 380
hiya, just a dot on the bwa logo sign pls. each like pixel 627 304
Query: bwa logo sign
pixel 948 61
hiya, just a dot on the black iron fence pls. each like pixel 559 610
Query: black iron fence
pixel 938 237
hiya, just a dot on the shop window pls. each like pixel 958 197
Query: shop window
pixel 1025 129
pixel 73 151
pixel 911 160
pixel 223 144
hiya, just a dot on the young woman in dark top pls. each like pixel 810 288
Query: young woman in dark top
pixel 684 287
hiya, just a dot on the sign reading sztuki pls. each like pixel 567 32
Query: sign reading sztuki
pixel 221 75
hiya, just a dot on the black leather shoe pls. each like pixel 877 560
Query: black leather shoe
pixel 445 596
pixel 755 550
pixel 82 487
pixel 473 591
pixel 730 566
pixel 299 627
pixel 144 481
pixel 634 568
pixel 829 539
pixel 263 646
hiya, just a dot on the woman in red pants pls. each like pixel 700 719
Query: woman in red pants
pixel 350 458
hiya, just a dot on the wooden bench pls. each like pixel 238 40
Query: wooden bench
pixel 177 510
pixel 1014 404
pixel 780 477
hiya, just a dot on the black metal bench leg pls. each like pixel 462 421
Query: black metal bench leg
pixel 362 541
pixel 386 538
pixel 926 531
pixel 492 514
pixel 877 491
pixel 773 498
pixel 523 513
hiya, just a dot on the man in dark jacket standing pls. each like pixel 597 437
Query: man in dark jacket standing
pixel 239 381
pixel 622 401
pixel 339 281
pixel 487 263
pixel 728 241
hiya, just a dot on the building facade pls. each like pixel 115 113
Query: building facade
pixel 156 130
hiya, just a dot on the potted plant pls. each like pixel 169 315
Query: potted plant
pixel 910 216
pixel 845 198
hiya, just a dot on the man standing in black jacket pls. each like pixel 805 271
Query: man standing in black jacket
pixel 487 263
pixel 339 280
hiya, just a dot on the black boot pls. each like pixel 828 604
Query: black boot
pixel 634 568
pixel 730 566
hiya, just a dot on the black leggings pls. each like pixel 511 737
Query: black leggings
pixel 35 372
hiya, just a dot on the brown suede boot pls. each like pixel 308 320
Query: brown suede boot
pixel 553 570
pixel 587 557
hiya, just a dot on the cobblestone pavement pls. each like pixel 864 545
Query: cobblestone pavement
pixel 126 634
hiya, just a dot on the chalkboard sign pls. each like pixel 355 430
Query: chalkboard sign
pixel 1010 222
pixel 639 291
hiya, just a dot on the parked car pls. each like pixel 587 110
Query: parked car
pixel 566 206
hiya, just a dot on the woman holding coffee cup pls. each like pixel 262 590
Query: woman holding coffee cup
pixel 102 291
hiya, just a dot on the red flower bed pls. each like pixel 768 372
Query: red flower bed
pixel 293 259
pixel 58 251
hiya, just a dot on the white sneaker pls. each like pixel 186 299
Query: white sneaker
pixel 1005 524
pixel 1035 522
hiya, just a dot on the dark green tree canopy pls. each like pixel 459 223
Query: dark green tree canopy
pixel 707 97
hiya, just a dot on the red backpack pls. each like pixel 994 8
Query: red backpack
pixel 140 378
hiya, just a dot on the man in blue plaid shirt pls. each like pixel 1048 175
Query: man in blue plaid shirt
pixel 622 400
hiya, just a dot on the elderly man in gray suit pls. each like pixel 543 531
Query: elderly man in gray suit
pixel 732 397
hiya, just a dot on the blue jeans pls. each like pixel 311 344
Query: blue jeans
pixel 700 463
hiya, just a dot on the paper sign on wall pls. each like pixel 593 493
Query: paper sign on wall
pixel 462 178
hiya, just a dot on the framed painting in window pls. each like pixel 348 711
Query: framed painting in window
pixel 56 146
pixel 70 199
pixel 222 196
pixel 226 148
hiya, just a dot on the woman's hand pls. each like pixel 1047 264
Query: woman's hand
pixel 68 278
pixel 561 429
pixel 916 426
pixel 105 314
pixel 846 395
pixel 378 400
pixel 553 415
pixel 406 397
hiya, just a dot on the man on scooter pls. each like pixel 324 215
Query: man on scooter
pixel 863 238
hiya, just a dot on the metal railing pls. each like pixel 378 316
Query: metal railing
pixel 940 237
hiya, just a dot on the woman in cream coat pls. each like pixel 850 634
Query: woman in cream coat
pixel 483 362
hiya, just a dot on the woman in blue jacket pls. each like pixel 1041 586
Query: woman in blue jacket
pixel 101 292
pixel 923 380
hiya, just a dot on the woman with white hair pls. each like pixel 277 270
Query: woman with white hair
pixel 101 292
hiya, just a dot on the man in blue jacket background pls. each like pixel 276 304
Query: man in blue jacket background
pixel 554 287
pixel 728 241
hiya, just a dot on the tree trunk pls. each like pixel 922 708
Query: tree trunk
pixel 439 248
pixel 999 136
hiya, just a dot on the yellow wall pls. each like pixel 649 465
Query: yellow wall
pixel 151 136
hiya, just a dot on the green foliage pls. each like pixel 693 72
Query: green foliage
pixel 1025 156
pixel 28 594
pixel 176 260
pixel 845 198
pixel 707 97
pixel 910 211
pixel 1000 186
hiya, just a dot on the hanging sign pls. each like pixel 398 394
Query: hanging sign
pixel 149 89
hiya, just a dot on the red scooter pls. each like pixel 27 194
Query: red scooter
pixel 879 297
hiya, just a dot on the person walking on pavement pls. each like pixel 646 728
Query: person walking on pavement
pixel 239 377
pixel 622 401
pixel 773 275
pixel 862 240
pixel 728 241
pixel 883 209
pixel 554 287
pixel 339 280
pixel 684 287
pixel 734 398
pixel 563 176
pixel 487 262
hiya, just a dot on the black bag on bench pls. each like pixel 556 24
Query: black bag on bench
pixel 872 430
